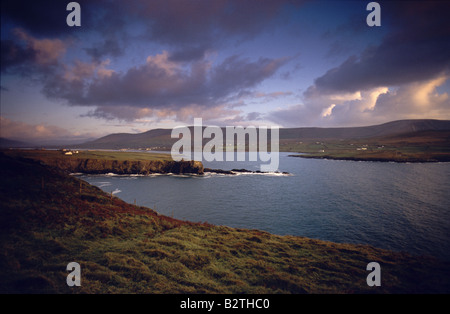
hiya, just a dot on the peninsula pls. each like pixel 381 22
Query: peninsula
pixel 102 162
pixel 117 162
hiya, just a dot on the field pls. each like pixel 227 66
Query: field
pixel 420 146
pixel 42 154
pixel 49 219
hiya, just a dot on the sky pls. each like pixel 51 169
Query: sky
pixel 138 65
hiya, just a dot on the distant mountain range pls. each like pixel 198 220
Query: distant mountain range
pixel 160 139
pixel 4 142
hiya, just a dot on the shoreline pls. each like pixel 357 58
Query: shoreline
pixel 243 171
pixel 162 157
pixel 125 248
pixel 122 163
pixel 374 159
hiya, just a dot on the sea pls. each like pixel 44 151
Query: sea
pixel 403 207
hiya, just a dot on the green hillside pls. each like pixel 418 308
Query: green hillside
pixel 49 219
pixel 404 140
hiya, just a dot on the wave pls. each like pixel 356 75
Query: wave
pixel 103 184
pixel 275 173
pixel 243 173
pixel 183 175
pixel 190 175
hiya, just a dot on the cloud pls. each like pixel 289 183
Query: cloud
pixel 159 84
pixel 47 51
pixel 190 28
pixel 174 82
pixel 108 47
pixel 416 49
pixel 33 133
pixel 195 27
pixel 80 70
pixel 376 105
pixel 191 77
pixel 327 111
pixel 41 18
pixel 186 114
pixel 27 54
pixel 166 82
pixel 271 95
pixel 14 55
pixel 396 79
pixel 415 100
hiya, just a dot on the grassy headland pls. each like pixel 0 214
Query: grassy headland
pixel 49 219
pixel 101 162
pixel 48 155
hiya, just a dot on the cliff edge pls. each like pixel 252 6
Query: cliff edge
pixel 145 167
pixel 109 162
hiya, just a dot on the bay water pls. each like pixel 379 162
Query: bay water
pixel 395 206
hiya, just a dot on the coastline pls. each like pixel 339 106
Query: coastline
pixel 122 163
pixel 104 162
pixel 124 248
pixel 433 159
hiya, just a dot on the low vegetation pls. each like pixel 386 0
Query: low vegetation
pixel 43 155
pixel 426 146
pixel 49 219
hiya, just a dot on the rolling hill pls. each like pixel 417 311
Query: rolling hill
pixel 6 143
pixel 160 139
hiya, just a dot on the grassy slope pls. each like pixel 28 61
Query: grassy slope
pixel 405 140
pixel 47 221
pixel 88 154
pixel 418 146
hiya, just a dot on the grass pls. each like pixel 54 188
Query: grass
pixel 42 154
pixel 421 146
pixel 49 219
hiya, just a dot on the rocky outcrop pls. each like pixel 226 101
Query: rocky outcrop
pixel 145 167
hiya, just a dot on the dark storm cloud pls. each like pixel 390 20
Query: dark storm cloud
pixel 108 47
pixel 41 18
pixel 14 55
pixel 204 22
pixel 186 54
pixel 26 55
pixel 47 18
pixel 162 83
pixel 189 27
pixel 235 72
pixel 416 48
pixel 181 77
